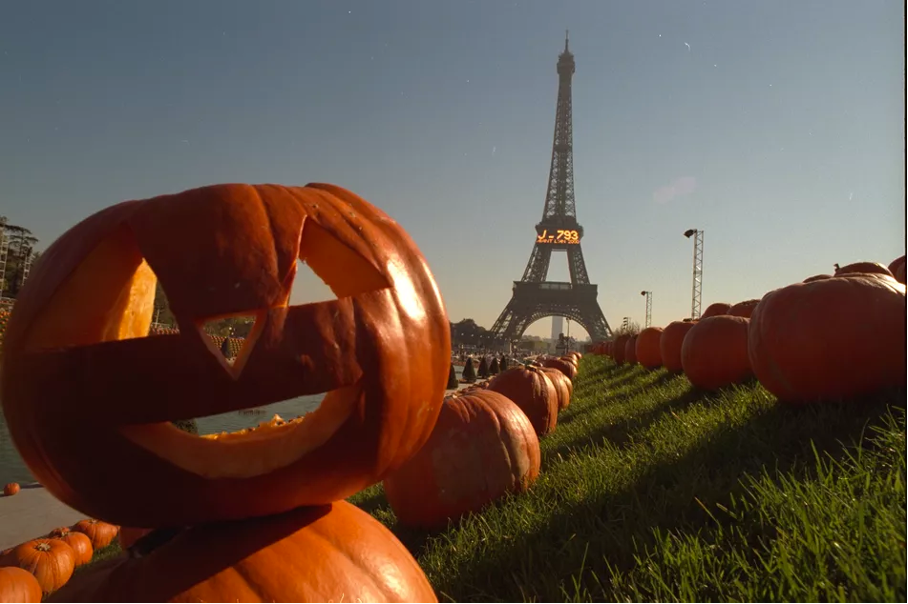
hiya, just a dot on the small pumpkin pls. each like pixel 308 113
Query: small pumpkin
pixel 715 309
pixel 101 533
pixel 897 268
pixel 532 391
pixel 564 388
pixel 864 268
pixel 618 348
pixel 647 350
pixel 81 546
pixel 829 340
pixel 11 489
pixel 630 350
pixel 18 585
pixel 564 366
pixel 58 532
pixel 670 343
pixel 85 387
pixel 743 309
pixel 483 446
pixel 51 561
pixel 328 553
pixel 714 352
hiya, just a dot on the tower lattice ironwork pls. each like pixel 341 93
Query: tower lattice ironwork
pixel 533 297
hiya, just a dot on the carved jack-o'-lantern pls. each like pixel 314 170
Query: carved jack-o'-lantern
pixel 89 396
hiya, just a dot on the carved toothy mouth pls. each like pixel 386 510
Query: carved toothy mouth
pixel 248 452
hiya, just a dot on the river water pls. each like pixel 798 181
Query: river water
pixel 13 469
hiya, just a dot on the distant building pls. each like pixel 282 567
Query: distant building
pixel 557 328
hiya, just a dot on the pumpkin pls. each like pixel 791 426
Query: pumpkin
pixel 564 388
pixel 670 344
pixel 483 446
pixel 866 268
pixel 129 535
pixel 828 340
pixel 743 309
pixel 715 309
pixel 630 350
pixel 816 278
pixel 328 553
pixel 647 350
pixel 101 533
pixel 564 366
pixel 51 561
pixel 897 268
pixel 60 531
pixel 714 352
pixel 532 391
pixel 83 388
pixel 18 585
pixel 618 347
pixel 11 489
pixel 81 546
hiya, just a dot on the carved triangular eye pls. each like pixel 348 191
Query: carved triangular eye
pixel 307 287
pixel 230 335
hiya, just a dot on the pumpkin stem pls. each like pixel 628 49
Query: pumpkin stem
pixel 44 546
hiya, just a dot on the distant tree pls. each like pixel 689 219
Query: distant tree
pixel 187 425
pixel 469 374
pixel 632 329
pixel 503 366
pixel 452 378
pixel 483 370
pixel 20 255
pixel 494 367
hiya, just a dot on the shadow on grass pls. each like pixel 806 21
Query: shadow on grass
pixel 600 529
pixel 622 432
pixel 570 416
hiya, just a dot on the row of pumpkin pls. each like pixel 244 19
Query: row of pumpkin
pixel 39 567
pixel 830 337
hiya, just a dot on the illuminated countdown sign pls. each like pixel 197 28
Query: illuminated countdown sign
pixel 564 236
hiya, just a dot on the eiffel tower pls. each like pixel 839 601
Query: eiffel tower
pixel 533 297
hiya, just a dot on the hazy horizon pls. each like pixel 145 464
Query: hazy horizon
pixel 778 128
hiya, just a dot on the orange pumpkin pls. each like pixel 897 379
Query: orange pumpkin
pixel 564 366
pixel 714 352
pixel 18 585
pixel 897 268
pixel 618 347
pixel 564 388
pixel 81 546
pixel 832 339
pixel 51 561
pixel 865 268
pixel 715 309
pixel 743 309
pixel 532 391
pixel 83 387
pixel 129 535
pixel 60 531
pixel 816 278
pixel 11 489
pixel 101 533
pixel 329 553
pixel 483 446
pixel 647 350
pixel 670 344
pixel 630 350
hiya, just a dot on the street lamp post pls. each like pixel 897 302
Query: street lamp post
pixel 649 308
pixel 625 323
pixel 697 287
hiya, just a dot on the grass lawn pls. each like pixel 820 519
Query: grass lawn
pixel 651 490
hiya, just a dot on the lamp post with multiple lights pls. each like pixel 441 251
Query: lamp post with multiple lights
pixel 697 234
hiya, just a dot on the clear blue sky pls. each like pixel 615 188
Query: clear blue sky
pixel 781 126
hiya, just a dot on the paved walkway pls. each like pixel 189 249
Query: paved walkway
pixel 32 513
